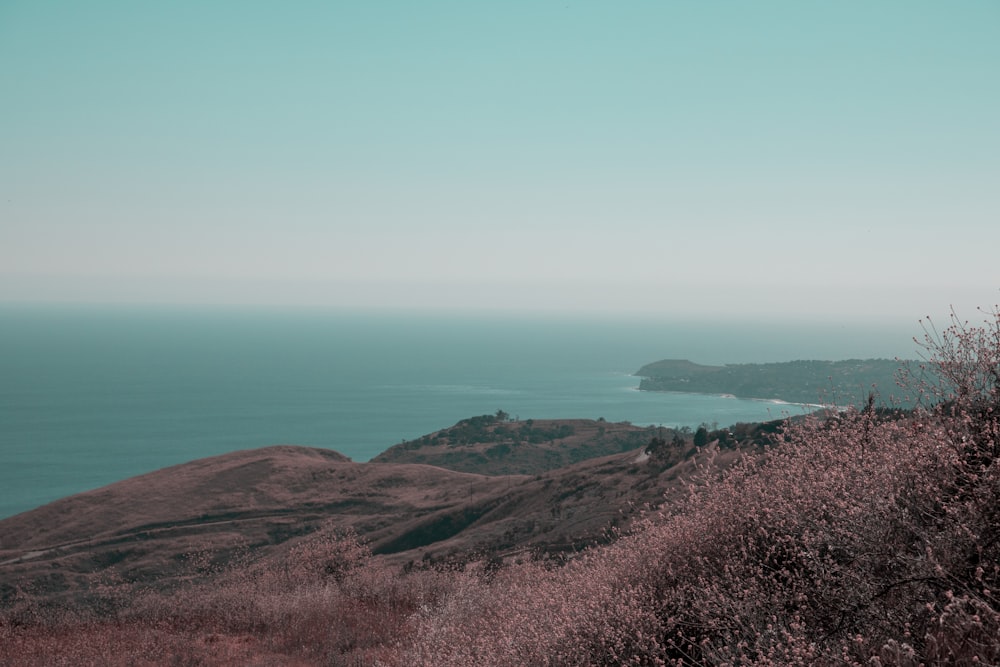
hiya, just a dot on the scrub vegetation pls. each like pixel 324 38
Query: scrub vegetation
pixel 499 445
pixel 863 537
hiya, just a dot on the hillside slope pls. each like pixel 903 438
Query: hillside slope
pixel 148 528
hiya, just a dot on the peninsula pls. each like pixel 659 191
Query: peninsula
pixel 811 382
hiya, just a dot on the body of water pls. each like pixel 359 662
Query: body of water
pixel 89 396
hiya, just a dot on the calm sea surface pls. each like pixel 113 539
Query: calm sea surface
pixel 89 396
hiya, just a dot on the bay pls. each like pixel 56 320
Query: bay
pixel 90 395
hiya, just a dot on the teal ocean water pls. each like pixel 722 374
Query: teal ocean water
pixel 89 396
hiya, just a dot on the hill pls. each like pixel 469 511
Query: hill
pixel 496 445
pixel 258 502
pixel 145 527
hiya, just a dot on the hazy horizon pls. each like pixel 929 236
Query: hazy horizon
pixel 772 161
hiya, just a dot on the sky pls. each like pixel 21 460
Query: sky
pixel 764 160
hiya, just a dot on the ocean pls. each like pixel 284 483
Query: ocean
pixel 92 395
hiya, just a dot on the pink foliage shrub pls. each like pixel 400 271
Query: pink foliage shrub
pixel 325 602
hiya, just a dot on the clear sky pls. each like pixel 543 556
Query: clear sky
pixel 764 159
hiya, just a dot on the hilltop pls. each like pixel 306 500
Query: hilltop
pixel 497 445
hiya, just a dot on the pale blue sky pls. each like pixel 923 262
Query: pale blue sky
pixel 766 159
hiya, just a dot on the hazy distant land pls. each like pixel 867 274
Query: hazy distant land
pixel 811 382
